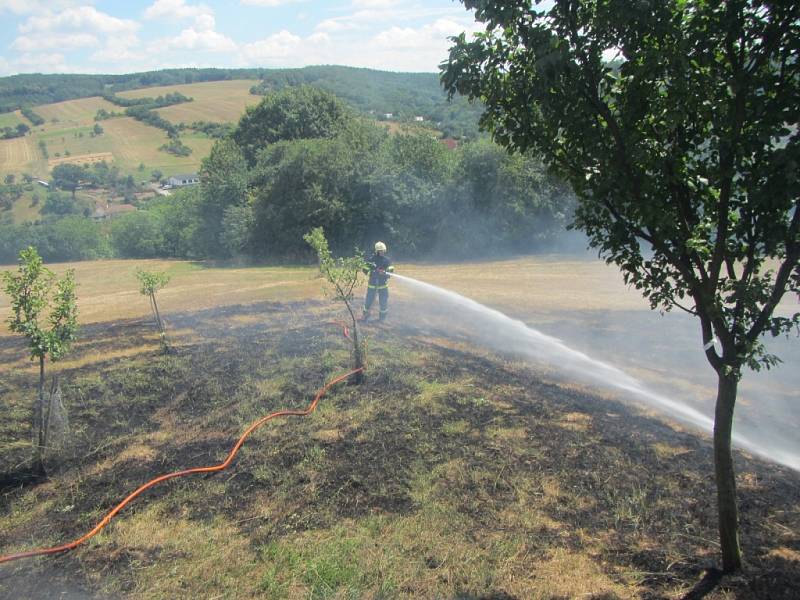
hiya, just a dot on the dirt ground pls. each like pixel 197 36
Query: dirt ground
pixel 451 473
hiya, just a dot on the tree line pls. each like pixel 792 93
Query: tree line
pixel 35 118
pixel 14 132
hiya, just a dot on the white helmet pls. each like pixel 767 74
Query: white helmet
pixel 380 247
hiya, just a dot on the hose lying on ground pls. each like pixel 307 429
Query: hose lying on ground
pixel 210 469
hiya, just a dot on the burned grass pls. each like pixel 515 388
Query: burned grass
pixel 449 473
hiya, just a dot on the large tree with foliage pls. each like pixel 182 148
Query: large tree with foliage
pixel 45 311
pixel 302 112
pixel 224 193
pixel 684 152
pixel 68 177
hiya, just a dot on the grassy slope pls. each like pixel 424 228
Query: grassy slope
pixel 68 126
pixel 12 119
pixel 218 101
pixel 451 473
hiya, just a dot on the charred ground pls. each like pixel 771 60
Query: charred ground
pixel 450 473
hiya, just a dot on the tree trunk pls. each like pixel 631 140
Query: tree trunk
pixel 726 480
pixel 38 423
pixel 157 314
pixel 358 350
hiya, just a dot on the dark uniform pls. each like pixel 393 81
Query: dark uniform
pixel 379 268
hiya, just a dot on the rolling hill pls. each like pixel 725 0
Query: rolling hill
pixel 66 134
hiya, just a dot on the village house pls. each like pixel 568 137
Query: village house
pixel 182 180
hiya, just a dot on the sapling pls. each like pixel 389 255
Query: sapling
pixel 343 274
pixel 35 292
pixel 149 283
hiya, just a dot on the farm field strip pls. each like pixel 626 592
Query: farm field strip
pixel 73 113
pixel 18 155
pixel 218 101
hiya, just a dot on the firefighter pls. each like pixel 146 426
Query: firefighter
pixel 379 268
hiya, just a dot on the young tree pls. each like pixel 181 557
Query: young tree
pixel 30 290
pixel 684 154
pixel 149 283
pixel 343 274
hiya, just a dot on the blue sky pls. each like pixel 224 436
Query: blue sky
pixel 116 36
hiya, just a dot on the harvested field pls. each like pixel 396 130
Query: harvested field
pixel 216 101
pixel 73 113
pixel 19 155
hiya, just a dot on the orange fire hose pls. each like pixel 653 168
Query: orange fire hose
pixel 211 469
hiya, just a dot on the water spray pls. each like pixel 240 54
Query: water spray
pixel 520 339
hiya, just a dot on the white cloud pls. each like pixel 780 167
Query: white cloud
pixel 121 50
pixel 117 55
pixel 18 7
pixel 81 17
pixel 192 39
pixel 176 9
pixel 24 7
pixel 205 23
pixel 335 24
pixel 60 41
pixel 428 36
pixel 269 3
pixel 373 13
pixel 47 63
pixel 375 3
pixel 396 48
pixel 277 46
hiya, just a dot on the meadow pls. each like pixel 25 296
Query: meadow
pixel 129 143
pixel 455 471
pixel 12 119
pixel 215 101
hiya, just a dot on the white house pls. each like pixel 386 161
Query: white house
pixel 182 180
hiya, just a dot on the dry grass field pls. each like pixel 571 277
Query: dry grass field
pixel 72 113
pixel 453 472
pixel 21 155
pixel 217 101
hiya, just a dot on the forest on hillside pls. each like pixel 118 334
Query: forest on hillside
pixel 404 96
pixel 303 158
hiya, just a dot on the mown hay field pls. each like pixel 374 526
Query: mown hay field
pixel 21 155
pixel 72 113
pixel 453 472
pixel 216 101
